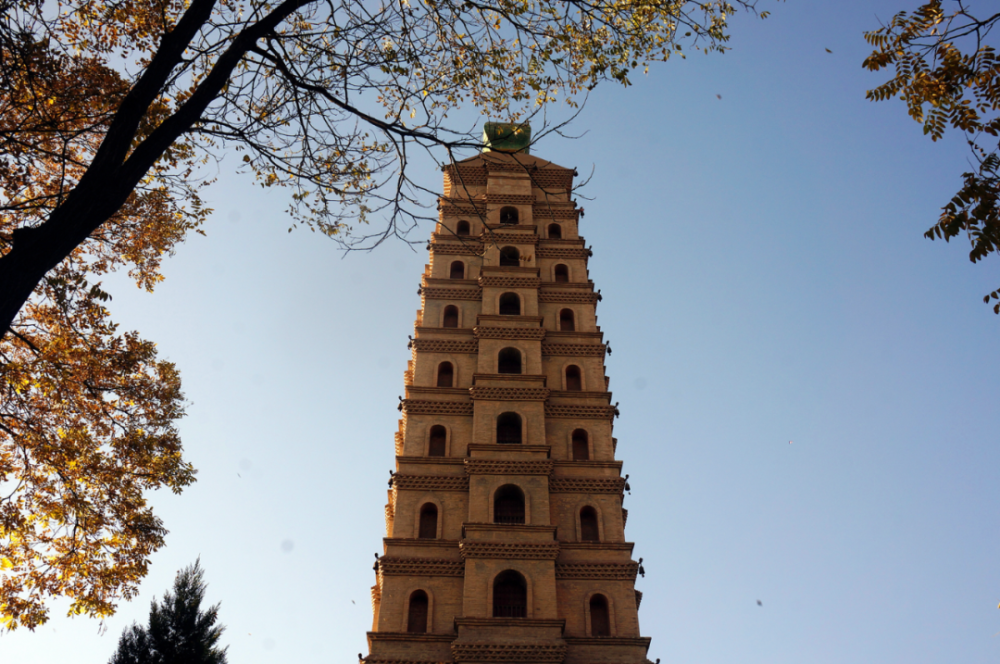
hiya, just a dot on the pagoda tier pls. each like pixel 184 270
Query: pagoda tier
pixel 505 527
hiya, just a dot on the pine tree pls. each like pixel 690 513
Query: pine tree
pixel 179 632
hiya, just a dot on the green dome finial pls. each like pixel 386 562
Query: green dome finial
pixel 506 137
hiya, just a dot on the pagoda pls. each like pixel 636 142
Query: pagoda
pixel 505 531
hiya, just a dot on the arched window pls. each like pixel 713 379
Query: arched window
pixel 446 374
pixel 510 595
pixel 588 525
pixel 508 505
pixel 462 228
pixel 457 270
pixel 600 622
pixel 437 446
pixel 581 450
pixel 555 231
pixel 510 304
pixel 509 361
pixel 566 323
pixel 429 521
pixel 417 619
pixel 562 273
pixel 573 381
pixel 509 429
pixel 450 316
pixel 510 257
pixel 508 216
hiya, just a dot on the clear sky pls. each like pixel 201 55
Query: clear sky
pixel 807 385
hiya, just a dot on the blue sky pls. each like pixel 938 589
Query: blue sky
pixel 765 280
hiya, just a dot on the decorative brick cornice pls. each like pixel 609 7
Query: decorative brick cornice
pixel 498 467
pixel 509 550
pixel 559 252
pixel 410 637
pixel 509 393
pixel 415 407
pixel 567 297
pixel 585 412
pixel 445 346
pixel 504 237
pixel 537 333
pixel 392 566
pixel 429 483
pixel 635 641
pixel 453 208
pixel 612 571
pixel 508 652
pixel 585 350
pixel 452 293
pixel 509 199
pixel 509 282
pixel 469 248
pixel 614 485
pixel 544 211
pixel 468 175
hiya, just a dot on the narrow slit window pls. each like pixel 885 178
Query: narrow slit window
pixel 438 441
pixel 573 381
pixel 457 270
pixel 450 316
pixel 588 525
pixel 566 322
pixel 600 623
pixel 428 522
pixel 581 447
pixel 446 375
pixel 417 618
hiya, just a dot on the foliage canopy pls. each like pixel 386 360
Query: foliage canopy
pixel 948 73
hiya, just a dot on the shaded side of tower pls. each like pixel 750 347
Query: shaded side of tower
pixel 505 526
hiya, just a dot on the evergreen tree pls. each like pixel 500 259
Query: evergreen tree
pixel 179 631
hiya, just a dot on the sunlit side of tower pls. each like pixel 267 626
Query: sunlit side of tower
pixel 505 527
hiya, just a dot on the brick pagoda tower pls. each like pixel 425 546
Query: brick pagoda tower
pixel 505 527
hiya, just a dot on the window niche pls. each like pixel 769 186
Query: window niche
pixel 509 361
pixel 509 216
pixel 510 304
pixel 509 429
pixel 510 257
pixel 510 595
pixel 446 375
pixel 417 615
pixel 450 318
pixel 428 522
pixel 438 442
pixel 567 322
